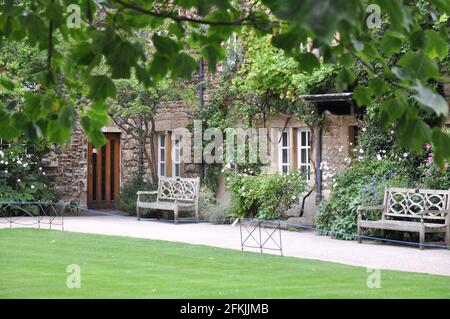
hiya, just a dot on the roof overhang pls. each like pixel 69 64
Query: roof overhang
pixel 331 97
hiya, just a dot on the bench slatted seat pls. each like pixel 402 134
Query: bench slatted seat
pixel 175 194
pixel 412 210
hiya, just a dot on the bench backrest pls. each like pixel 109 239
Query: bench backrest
pixel 181 189
pixel 408 203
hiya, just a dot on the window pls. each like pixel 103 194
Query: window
pixel 284 152
pixel 4 144
pixel 304 151
pixel 176 156
pixel 161 155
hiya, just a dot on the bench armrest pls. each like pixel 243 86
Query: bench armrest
pixel 362 208
pixel 145 193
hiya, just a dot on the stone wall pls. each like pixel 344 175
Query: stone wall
pixel 68 164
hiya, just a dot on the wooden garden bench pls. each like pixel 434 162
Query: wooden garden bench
pixel 411 210
pixel 175 194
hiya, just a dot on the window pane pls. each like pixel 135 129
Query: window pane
pixel 285 139
pixel 162 170
pixel 177 170
pixel 162 140
pixel 285 169
pixel 162 155
pixel 303 138
pixel 285 156
pixel 303 156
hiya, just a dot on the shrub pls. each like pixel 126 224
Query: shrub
pixel 430 175
pixel 265 196
pixel 22 177
pixel 207 198
pixel 218 214
pixel 361 184
pixel 128 192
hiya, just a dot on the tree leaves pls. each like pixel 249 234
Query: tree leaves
pixel 101 87
pixel 430 99
pixel 308 62
pixel 362 96
pixel 7 84
pixel 165 45
pixel 419 66
pixel 392 110
pixel 378 87
pixel 391 44
pixel 184 66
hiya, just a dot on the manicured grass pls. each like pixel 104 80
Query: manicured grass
pixel 33 265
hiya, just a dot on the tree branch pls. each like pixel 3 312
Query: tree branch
pixel 169 15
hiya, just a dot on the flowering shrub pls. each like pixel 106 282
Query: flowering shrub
pixel 21 175
pixel 361 184
pixel 431 176
pixel 265 196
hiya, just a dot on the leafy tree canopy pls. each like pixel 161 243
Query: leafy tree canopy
pixel 83 61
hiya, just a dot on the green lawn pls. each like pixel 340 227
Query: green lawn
pixel 33 265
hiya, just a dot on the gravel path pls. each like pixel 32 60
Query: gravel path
pixel 304 244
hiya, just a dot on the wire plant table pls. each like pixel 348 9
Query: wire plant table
pixel 32 214
pixel 260 234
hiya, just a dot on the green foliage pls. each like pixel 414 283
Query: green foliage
pixel 218 214
pixel 82 62
pixel 128 197
pixel 21 175
pixel 207 199
pixel 361 184
pixel 265 196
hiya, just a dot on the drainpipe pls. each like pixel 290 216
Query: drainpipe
pixel 141 151
pixel 201 97
pixel 318 162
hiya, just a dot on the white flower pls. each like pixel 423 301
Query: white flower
pixel 364 129
pixel 32 186
pixel 361 151
pixel 379 157
pixel 1 153
pixel 392 132
pixel 43 173
pixel 18 180
pixel 405 155
pixel 40 168
pixel 25 165
pixel 1 162
pixel 6 163
pixel 6 171
pixel 335 185
pixel 293 197
pixel 383 151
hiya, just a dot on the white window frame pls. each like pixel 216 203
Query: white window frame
pixel 176 151
pixel 306 164
pixel 282 164
pixel 161 136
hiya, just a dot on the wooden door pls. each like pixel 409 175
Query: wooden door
pixel 103 173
